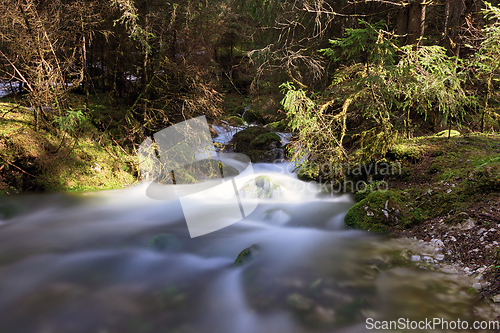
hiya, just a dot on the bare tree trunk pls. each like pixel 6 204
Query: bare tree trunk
pixel 416 22
pixel 85 74
pixel 455 10
pixel 402 25
pixel 145 63
pixel 173 44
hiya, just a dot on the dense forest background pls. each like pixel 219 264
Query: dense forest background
pixel 347 77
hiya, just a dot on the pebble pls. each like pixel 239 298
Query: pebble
pixel 440 257
pixel 476 285
pixel 428 259
pixel 496 298
pixel 415 258
pixel 437 242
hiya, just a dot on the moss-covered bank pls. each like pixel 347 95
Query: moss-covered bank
pixel 439 177
pixel 447 195
pixel 49 159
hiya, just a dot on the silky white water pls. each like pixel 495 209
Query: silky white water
pixel 118 261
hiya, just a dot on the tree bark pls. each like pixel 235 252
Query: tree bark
pixel 402 25
pixel 416 22
pixel 455 10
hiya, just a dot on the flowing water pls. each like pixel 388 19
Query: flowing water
pixel 118 261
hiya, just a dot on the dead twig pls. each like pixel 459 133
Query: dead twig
pixel 15 107
pixel 15 166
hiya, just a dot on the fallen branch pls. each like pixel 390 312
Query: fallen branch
pixel 15 166
pixel 15 107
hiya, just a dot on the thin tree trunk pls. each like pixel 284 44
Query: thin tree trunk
pixel 416 22
pixel 402 25
pixel 85 74
pixel 488 95
pixel 454 13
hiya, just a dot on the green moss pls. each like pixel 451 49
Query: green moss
pixel 247 255
pixel 406 151
pixel 253 116
pixel 234 120
pixel 446 133
pixel 487 177
pixel 278 126
pixel 257 143
pixel 263 141
pixel 233 104
pixel 56 161
pixel 378 211
pixel 164 242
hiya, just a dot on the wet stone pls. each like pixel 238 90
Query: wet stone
pixel 300 302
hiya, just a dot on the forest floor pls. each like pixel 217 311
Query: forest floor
pixel 49 159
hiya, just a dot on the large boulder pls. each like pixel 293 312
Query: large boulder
pixel 259 143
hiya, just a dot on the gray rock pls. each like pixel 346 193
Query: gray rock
pixel 428 259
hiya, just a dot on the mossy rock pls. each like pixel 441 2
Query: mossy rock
pixel 257 142
pixel 266 141
pixel 445 133
pixel 247 255
pixel 279 126
pixel 234 121
pixel 202 170
pixel 487 177
pixel 254 117
pixel 378 211
pixel 406 151
pixel 265 156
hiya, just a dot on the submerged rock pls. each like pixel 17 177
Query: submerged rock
pixel 261 187
pixel 164 242
pixel 247 255
pixel 300 302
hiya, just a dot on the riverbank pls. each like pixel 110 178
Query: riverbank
pixel 79 158
pixel 446 197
